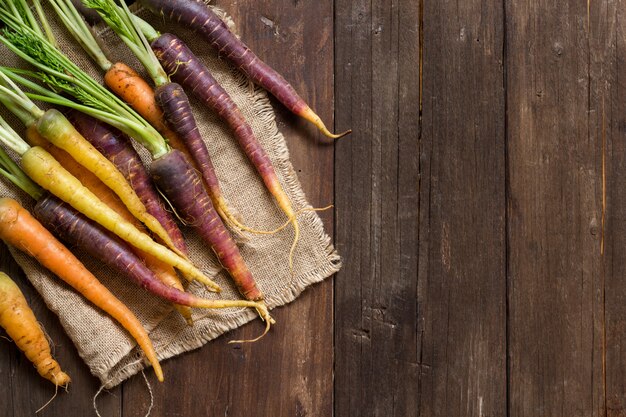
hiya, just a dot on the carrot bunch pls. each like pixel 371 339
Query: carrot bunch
pixel 90 186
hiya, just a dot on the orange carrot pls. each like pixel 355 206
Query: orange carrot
pixel 20 323
pixel 20 229
pixel 134 90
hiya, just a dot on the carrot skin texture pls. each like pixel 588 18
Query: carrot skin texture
pixel 186 69
pixel 174 103
pixel 20 323
pixel 57 129
pixel 20 229
pixel 197 16
pixel 49 174
pixel 137 93
pixel 118 149
pixel 79 231
pixel 189 196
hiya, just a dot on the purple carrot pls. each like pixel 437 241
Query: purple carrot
pixel 177 111
pixel 173 101
pixel 79 231
pixel 118 149
pixel 185 68
pixel 196 15
pixel 189 195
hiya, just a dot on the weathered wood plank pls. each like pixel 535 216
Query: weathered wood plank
pixel 444 347
pixel 607 131
pixel 555 198
pixel 462 286
pixel 289 372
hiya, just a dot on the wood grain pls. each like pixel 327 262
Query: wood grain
pixel 377 362
pixel 462 290
pixel 554 141
pixel 607 112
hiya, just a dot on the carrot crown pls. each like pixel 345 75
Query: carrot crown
pixel 10 170
pixel 121 20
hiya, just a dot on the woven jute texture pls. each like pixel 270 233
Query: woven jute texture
pixel 105 347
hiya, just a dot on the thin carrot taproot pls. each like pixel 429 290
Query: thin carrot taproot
pixel 20 229
pixel 20 323
pixel 197 16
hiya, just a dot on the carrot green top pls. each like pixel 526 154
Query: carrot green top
pixel 121 20
pixel 11 171
pixel 62 75
pixel 78 28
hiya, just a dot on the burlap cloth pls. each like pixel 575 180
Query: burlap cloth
pixel 105 347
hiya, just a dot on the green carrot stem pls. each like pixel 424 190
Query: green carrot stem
pixel 78 28
pixel 10 170
pixel 44 22
pixel 121 20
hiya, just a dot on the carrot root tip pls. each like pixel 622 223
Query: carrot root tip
pixel 331 135
pixel 296 229
pixel 265 316
pixel 312 117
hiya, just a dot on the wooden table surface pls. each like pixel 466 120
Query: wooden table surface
pixel 480 209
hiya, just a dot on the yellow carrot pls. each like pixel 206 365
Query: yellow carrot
pixel 58 130
pixel 42 168
pixel 20 323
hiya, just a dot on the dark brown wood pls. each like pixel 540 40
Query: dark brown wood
pixel 442 352
pixel 607 131
pixel 556 277
pixel 479 276
pixel 462 290
pixel 377 358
